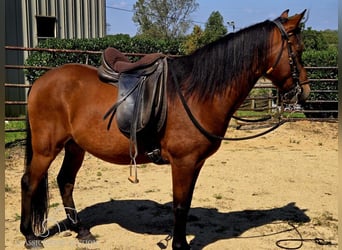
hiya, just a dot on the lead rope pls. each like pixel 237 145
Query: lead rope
pixel 281 243
pixel 301 240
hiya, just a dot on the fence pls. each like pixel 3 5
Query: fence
pixel 321 105
pixel 262 99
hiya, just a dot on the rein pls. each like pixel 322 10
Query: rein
pixel 262 119
pixel 207 134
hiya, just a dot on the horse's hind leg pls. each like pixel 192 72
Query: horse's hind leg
pixel 34 198
pixel 72 162
pixel 34 194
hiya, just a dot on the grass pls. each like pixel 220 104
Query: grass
pixel 294 141
pixel 56 204
pixel 8 189
pixel 293 115
pixel 142 166
pixel 254 114
pixel 152 190
pixel 218 196
pixel 11 137
pixel 17 217
pixel 325 219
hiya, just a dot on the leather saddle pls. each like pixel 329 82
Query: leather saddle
pixel 140 109
pixel 114 63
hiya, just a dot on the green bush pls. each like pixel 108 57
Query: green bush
pixel 314 40
pixel 318 58
pixel 121 42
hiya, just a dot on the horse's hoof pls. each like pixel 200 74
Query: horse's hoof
pixel 85 236
pixel 34 244
pixel 181 247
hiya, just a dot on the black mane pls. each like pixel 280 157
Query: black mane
pixel 232 58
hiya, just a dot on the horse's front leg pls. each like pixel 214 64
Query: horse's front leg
pixel 183 179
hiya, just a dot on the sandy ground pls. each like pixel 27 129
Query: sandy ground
pixel 250 195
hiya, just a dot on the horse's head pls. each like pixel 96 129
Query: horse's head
pixel 285 67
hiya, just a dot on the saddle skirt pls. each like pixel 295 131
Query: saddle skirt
pixel 140 109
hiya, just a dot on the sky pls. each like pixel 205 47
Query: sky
pixel 322 13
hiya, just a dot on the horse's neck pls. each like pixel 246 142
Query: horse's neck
pixel 237 93
pixel 247 78
pixel 234 96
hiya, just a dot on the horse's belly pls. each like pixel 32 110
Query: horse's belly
pixel 110 148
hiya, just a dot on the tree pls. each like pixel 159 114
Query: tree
pixel 214 28
pixel 193 41
pixel 163 19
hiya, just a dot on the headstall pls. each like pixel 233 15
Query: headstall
pixel 296 90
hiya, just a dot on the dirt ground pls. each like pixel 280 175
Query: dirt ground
pixel 251 194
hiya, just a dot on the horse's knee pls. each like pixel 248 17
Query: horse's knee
pixel 65 188
pixel 25 182
pixel 65 185
pixel 60 181
pixel 27 186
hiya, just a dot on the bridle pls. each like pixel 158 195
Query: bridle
pixel 296 90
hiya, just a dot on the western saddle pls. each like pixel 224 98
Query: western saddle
pixel 140 109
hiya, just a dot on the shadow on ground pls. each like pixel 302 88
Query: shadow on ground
pixel 206 224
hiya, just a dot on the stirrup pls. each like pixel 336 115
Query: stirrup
pixel 133 177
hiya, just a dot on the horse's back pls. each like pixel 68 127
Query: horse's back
pixel 60 78
pixel 60 90
pixel 72 81
pixel 65 73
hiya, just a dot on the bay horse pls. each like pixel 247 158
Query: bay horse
pixel 66 107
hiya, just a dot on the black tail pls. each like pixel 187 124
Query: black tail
pixel 40 198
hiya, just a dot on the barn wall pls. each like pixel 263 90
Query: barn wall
pixel 74 18
pixel 14 36
pixel 71 18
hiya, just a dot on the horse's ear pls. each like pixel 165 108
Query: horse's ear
pixel 294 21
pixel 301 15
pixel 285 14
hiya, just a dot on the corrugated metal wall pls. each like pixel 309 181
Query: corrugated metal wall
pixel 14 36
pixel 74 19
